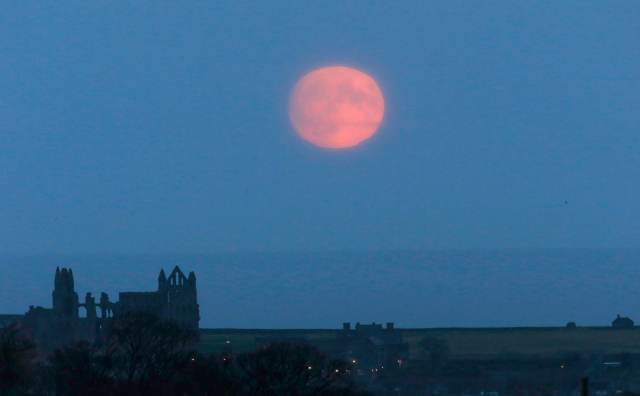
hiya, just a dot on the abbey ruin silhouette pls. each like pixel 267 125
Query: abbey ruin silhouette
pixel 175 299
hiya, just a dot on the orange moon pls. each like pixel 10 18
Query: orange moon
pixel 336 107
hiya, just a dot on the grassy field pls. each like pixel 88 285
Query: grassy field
pixel 464 343
pixel 531 341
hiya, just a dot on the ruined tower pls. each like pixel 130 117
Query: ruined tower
pixel 179 294
pixel 175 299
pixel 162 281
pixel 65 298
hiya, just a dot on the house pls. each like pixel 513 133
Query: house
pixel 622 322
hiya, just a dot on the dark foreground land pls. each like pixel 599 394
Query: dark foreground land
pixel 143 355
pixel 477 343
pixel 469 361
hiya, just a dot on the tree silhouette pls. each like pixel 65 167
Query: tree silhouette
pixel 285 369
pixel 16 358
pixel 144 355
pixel 146 352
pixel 212 375
pixel 81 370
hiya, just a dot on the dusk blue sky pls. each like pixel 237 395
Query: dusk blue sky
pixel 161 127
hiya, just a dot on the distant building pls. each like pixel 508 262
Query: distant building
pixel 373 346
pixel 622 322
pixel 175 299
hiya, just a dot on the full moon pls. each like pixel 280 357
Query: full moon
pixel 336 107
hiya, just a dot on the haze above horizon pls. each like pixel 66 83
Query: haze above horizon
pixel 412 289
